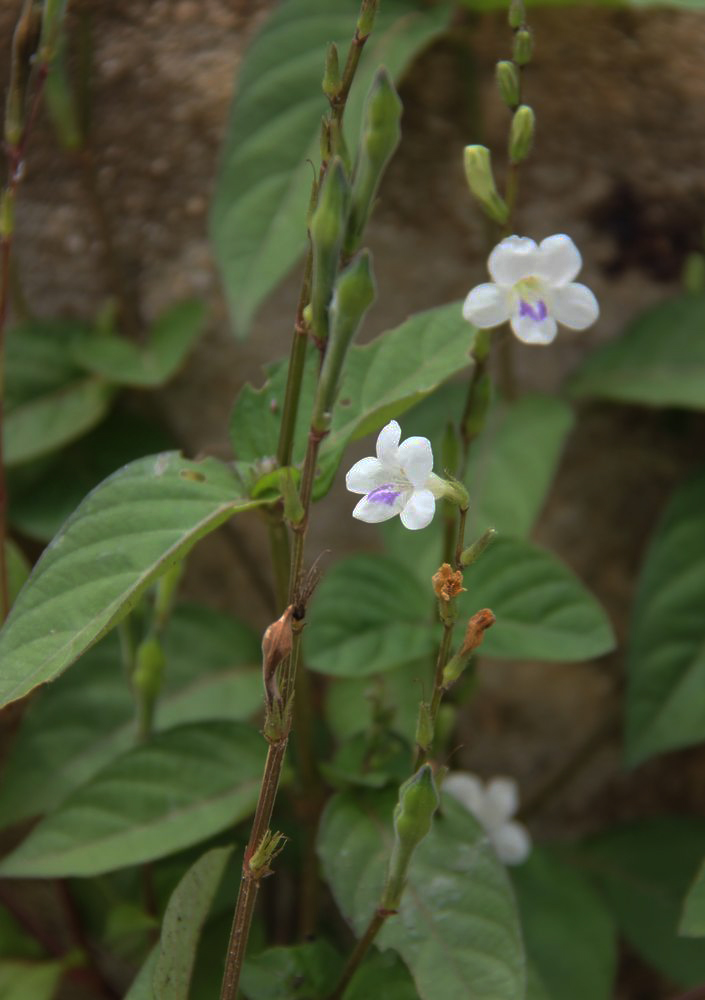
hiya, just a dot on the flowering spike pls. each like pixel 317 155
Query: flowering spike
pixel 533 288
pixel 478 171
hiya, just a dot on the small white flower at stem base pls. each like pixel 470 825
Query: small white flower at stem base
pixel 532 287
pixel 493 805
pixel 399 481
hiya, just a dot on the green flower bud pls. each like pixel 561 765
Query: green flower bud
pixel 327 230
pixel 507 76
pixel 521 134
pixel 523 47
pixel 149 667
pixel 381 132
pixel 52 16
pixel 478 171
pixel 517 14
pixel 354 293
pixel 418 801
pixel 331 76
pixel 473 552
pixel 366 19
pixel 60 101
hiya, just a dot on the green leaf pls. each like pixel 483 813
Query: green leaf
pixel 186 784
pixel 692 922
pixel 145 366
pixel 644 870
pixel 45 493
pixel 659 360
pixel 141 987
pixel 353 703
pixel 258 218
pixel 666 654
pixel 381 975
pixel 76 726
pixel 367 616
pixel 573 957
pixel 184 918
pixel 46 423
pixel 296 973
pixel 457 927
pixel 127 532
pixel 29 980
pixel 513 462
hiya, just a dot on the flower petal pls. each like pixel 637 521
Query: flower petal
pixel 487 305
pixel 415 456
pixel 512 843
pixel 388 442
pixel 503 795
pixel 558 260
pixel 575 306
pixel 531 332
pixel 365 475
pixel 374 509
pixel 513 259
pixel 419 510
pixel 466 789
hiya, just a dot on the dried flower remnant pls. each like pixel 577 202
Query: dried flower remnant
pixel 475 631
pixel 276 646
pixel 493 805
pixel 399 481
pixel 447 582
pixel 532 286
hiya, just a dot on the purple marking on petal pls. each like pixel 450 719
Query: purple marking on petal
pixel 384 494
pixel 538 314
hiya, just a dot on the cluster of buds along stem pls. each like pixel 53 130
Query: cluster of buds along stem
pixel 508 72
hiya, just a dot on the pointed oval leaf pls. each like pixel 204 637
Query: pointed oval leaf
pixel 145 366
pixel 127 532
pixel 184 785
pixel 183 922
pixel 258 220
pixel 659 360
pixel 366 617
pixel 76 726
pixel 666 655
pixel 457 927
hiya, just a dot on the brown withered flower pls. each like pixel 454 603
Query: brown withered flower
pixel 475 632
pixel 447 582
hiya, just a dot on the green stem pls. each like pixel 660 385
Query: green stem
pixel 280 552
pixel 361 948
pixel 297 360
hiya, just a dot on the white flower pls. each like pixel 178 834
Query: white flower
pixel 493 805
pixel 532 287
pixel 398 481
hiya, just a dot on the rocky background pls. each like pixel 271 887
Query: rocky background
pixel 619 97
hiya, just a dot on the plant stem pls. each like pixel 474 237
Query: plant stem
pixel 295 374
pixel 361 948
pixel 279 549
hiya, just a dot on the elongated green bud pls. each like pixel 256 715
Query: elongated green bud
pixel 517 14
pixel 478 171
pixel 354 294
pixel 327 231
pixel 521 134
pixel 60 101
pixel 523 47
pixel 52 16
pixel 507 76
pixel 331 76
pixel 366 18
pixel 381 132
pixel 473 552
pixel 418 801
pixel 24 43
